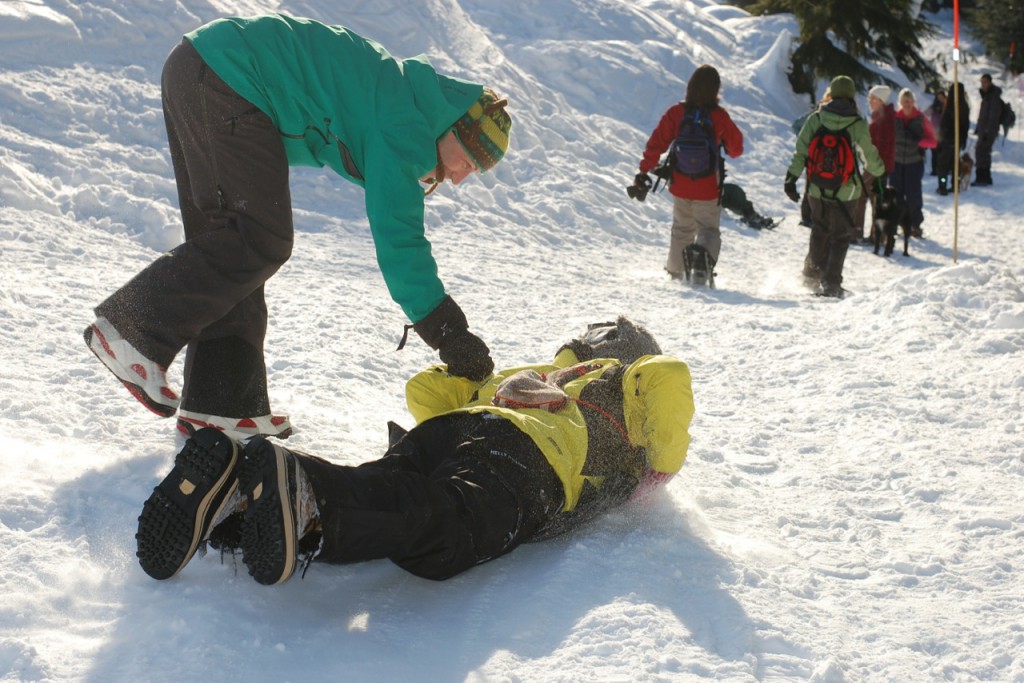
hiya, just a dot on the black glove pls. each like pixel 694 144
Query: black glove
pixel 642 184
pixel 466 355
pixel 582 349
pixel 445 329
pixel 790 188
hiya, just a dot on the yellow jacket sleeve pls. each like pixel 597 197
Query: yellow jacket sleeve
pixel 565 357
pixel 658 406
pixel 433 391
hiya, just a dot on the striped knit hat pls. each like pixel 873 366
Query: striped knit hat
pixel 483 130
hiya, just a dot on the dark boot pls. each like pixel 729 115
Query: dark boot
pixel 942 190
pixel 184 508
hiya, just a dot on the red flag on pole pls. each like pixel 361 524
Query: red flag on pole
pixel 956 24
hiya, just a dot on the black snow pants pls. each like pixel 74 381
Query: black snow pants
pixel 207 293
pixel 455 491
pixel 831 227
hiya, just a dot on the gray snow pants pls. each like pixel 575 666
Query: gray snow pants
pixel 207 293
pixel 693 221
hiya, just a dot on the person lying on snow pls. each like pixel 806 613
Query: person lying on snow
pixel 523 455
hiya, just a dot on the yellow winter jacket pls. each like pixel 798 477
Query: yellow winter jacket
pixel 655 406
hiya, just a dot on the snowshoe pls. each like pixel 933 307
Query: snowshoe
pixel 829 290
pixel 699 266
pixel 759 222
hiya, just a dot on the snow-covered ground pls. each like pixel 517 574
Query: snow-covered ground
pixel 852 508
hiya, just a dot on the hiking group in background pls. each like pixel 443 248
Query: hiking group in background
pixel 831 146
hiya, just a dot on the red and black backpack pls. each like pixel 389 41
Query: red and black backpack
pixel 831 161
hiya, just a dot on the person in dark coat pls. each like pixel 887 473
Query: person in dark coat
pixel 882 126
pixel 952 142
pixel 987 129
pixel 934 114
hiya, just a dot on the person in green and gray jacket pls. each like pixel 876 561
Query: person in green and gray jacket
pixel 832 211
pixel 244 99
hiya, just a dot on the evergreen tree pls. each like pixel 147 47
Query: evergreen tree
pixel 841 37
pixel 998 24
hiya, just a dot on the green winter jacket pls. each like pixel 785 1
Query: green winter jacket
pixel 342 101
pixel 838 115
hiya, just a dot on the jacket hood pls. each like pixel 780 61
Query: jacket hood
pixel 442 100
pixel 993 91
pixel 834 112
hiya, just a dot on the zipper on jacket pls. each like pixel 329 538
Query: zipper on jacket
pixel 346 156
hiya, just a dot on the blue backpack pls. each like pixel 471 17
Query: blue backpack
pixel 695 152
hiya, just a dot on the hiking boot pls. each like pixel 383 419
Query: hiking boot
pixel 146 380
pixel 983 179
pixel 238 428
pixel 281 518
pixel 198 493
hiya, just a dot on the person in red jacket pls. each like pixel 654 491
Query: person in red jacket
pixel 697 206
pixel 882 128
pixel 914 135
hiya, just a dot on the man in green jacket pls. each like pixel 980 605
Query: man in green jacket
pixel 244 99
pixel 833 191
pixel 527 454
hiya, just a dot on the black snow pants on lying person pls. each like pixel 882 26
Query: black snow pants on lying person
pixel 455 491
